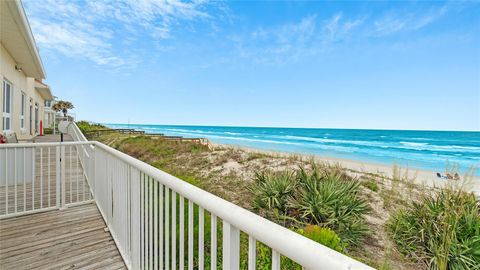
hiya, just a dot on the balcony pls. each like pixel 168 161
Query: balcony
pixel 82 204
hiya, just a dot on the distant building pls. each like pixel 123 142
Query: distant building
pixel 23 94
pixel 50 114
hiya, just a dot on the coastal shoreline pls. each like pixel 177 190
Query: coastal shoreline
pixel 420 176
pixel 436 151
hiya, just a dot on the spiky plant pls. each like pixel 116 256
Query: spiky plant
pixel 442 230
pixel 334 202
pixel 273 191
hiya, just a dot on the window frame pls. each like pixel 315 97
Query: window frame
pixel 7 115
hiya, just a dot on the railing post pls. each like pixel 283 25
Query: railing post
pixel 62 177
pixel 58 176
pixel 231 247
pixel 135 217
pixel 92 168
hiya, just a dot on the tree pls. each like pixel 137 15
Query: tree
pixel 63 106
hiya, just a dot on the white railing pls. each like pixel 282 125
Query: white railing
pixel 38 177
pixel 160 222
pixel 153 215
pixel 75 132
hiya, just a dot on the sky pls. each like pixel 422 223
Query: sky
pixel 350 64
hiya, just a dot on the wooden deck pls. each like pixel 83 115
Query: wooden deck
pixel 74 238
pixel 28 194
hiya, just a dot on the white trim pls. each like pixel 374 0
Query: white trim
pixel 7 115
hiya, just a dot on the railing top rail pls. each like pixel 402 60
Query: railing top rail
pixel 44 144
pixel 300 249
pixel 80 133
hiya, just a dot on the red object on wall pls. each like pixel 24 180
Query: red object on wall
pixel 41 128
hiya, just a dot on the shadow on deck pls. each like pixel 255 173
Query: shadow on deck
pixel 74 238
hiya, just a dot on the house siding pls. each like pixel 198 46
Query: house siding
pixel 21 83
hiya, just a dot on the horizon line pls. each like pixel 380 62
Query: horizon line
pixel 241 126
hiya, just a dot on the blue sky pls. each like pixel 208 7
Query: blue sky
pixel 385 65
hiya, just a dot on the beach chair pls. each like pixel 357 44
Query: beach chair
pixel 10 137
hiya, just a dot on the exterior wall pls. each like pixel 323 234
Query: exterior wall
pixel 48 118
pixel 20 83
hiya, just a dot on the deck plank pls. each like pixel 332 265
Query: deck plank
pixel 73 238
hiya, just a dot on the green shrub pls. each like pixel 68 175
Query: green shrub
pixel 371 184
pixel 334 202
pixel 264 260
pixel 85 126
pixel 442 230
pixel 323 196
pixel 273 191
pixel 324 236
pixel 48 131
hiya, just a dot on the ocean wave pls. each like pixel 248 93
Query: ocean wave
pixel 189 130
pixel 196 131
pixel 254 140
pixel 421 139
pixel 414 144
pixel 335 141
pixel 444 148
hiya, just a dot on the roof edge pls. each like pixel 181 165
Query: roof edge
pixel 17 7
pixel 43 89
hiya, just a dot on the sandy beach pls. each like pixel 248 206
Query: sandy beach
pixel 420 176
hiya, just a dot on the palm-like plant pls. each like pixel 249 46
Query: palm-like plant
pixel 323 196
pixel 63 106
pixel 442 230
pixel 273 191
pixel 330 200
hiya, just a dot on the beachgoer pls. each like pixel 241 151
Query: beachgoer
pixel 456 176
pixel 439 175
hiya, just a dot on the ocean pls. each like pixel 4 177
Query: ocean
pixel 429 150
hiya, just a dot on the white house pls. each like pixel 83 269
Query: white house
pixel 23 93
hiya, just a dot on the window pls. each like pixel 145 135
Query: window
pixel 7 105
pixel 22 112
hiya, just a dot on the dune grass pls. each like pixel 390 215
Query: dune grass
pixel 442 230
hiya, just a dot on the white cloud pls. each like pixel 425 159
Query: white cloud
pixel 309 36
pixel 106 32
pixel 312 36
pixel 337 28
pixel 89 29
pixel 395 22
